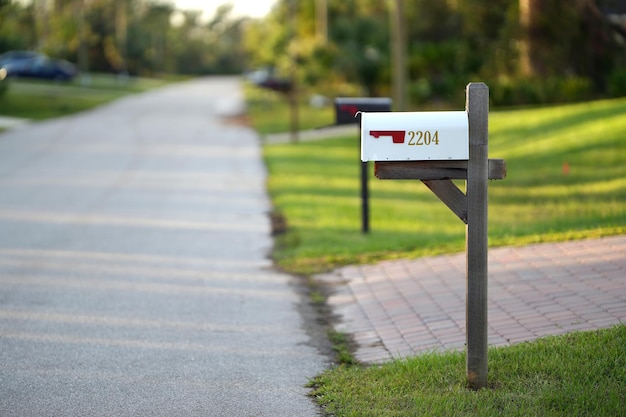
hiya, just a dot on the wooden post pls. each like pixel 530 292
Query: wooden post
pixel 477 106
pixel 471 208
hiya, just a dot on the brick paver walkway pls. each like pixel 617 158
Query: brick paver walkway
pixel 401 308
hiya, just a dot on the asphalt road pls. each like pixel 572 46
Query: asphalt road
pixel 134 278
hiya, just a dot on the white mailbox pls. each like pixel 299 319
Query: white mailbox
pixel 414 136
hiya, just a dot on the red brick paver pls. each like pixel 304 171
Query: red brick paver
pixel 401 308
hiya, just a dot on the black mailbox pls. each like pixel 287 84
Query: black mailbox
pixel 346 108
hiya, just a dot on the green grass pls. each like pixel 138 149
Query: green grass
pixel 269 112
pixel 578 374
pixel 315 185
pixel 43 100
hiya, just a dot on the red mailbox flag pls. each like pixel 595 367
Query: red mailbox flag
pixel 397 136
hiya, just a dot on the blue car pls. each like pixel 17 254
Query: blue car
pixel 35 65
pixel 17 57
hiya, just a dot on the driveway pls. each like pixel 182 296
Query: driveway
pixel 134 277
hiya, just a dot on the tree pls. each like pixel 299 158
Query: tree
pixel 17 26
pixel 535 22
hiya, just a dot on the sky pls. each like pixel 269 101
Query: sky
pixel 252 8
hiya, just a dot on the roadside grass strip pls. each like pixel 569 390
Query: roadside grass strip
pixel 578 374
pixel 566 179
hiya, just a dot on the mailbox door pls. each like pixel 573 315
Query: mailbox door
pixel 414 136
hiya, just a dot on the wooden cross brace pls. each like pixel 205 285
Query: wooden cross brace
pixel 438 176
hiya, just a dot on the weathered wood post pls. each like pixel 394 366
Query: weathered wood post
pixel 436 148
pixel 477 106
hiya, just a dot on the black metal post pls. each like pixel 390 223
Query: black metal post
pixel 365 215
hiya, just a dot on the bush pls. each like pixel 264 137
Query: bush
pixel 529 91
pixel 448 88
pixel 572 89
pixel 420 91
pixel 617 83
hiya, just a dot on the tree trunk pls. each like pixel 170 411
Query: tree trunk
pixel 398 47
pixel 531 62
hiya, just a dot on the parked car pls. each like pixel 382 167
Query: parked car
pixel 17 57
pixel 15 60
pixel 35 65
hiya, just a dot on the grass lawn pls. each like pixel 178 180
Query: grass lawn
pixel 566 180
pixel 579 374
pixel 269 112
pixel 39 100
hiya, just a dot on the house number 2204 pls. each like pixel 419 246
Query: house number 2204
pixel 423 138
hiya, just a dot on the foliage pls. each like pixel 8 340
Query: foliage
pixel 362 40
pixel 125 36
pixel 540 90
pixel 16 26
pixel 566 179
pixel 617 83
pixel 449 43
pixel 578 374
pixel 4 87
pixel 355 51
